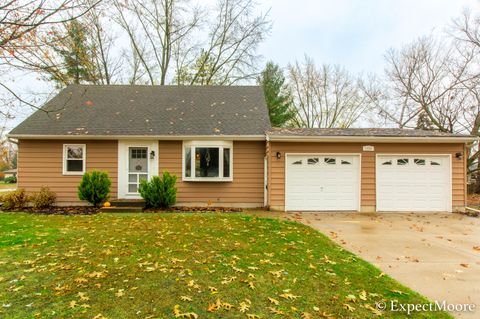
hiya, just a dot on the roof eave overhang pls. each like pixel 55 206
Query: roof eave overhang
pixel 139 137
pixel 374 139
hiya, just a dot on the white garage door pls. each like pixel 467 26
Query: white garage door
pixel 413 183
pixel 322 182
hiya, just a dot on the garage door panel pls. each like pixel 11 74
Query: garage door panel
pixel 322 182
pixel 413 183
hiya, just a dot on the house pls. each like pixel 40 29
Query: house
pixel 219 142
pixel 10 173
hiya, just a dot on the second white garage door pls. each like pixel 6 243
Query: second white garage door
pixel 413 183
pixel 322 182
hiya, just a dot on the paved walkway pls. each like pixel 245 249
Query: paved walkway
pixel 437 255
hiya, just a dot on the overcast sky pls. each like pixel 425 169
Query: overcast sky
pixel 353 33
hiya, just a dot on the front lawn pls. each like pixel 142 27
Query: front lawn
pixel 184 266
pixel 4 185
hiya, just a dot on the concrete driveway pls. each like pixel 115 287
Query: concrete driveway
pixel 433 254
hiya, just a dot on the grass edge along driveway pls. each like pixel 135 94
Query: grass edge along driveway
pixel 184 266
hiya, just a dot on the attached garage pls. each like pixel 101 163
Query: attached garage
pixel 322 182
pixel 413 183
pixel 367 170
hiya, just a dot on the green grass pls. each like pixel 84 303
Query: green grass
pixel 143 265
pixel 4 185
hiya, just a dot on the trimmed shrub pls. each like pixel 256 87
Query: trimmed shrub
pixel 150 192
pixel 45 198
pixel 159 192
pixel 14 200
pixel 94 187
pixel 10 180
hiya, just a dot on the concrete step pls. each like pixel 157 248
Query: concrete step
pixel 128 203
pixel 121 209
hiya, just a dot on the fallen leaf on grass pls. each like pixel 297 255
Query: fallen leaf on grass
pixel 348 307
pixel 276 311
pixel 289 296
pixel 374 310
pixel 274 301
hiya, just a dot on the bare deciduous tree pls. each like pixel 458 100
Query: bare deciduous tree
pixel 156 29
pixel 434 83
pixel 234 35
pixel 325 97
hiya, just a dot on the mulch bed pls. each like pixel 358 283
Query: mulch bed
pixel 194 209
pixel 469 213
pixel 88 210
pixel 67 210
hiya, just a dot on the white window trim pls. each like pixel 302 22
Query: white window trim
pixel 84 159
pixel 194 144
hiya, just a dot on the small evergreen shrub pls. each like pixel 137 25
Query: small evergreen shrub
pixel 10 180
pixel 159 192
pixel 94 187
pixel 14 200
pixel 45 198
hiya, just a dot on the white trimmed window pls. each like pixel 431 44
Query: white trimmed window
pixel 207 161
pixel 74 156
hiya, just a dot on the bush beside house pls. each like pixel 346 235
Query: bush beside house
pixel 94 187
pixel 159 192
pixel 45 198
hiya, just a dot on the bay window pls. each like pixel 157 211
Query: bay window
pixel 207 161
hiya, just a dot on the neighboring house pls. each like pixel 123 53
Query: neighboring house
pixel 10 173
pixel 219 143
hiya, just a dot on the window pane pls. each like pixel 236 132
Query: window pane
pixel 132 188
pixel 74 165
pixel 329 160
pixel 188 162
pixel 206 162
pixel 402 161
pixel 226 162
pixel 132 178
pixel 419 161
pixel 313 161
pixel 143 177
pixel 74 152
pixel 138 160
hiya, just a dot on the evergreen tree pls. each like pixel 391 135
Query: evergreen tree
pixel 77 56
pixel 277 95
pixel 423 122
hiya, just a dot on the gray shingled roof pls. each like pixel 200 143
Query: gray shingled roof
pixel 377 132
pixel 151 110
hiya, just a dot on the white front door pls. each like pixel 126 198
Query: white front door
pixel 413 183
pixel 137 160
pixel 322 182
pixel 137 167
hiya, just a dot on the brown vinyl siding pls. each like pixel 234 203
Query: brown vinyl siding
pixel 246 187
pixel 276 178
pixel 40 163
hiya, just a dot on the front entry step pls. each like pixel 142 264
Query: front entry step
pixel 125 206
pixel 122 209
pixel 128 203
